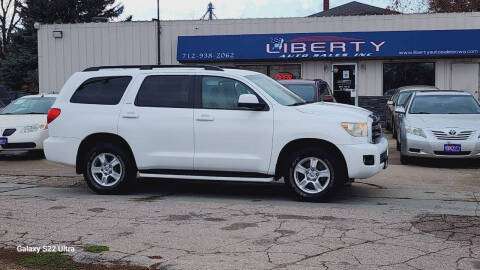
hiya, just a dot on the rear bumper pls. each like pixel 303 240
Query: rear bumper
pixel 354 156
pixel 62 150
pixel 415 146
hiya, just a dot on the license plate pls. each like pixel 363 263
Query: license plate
pixel 453 148
pixel 3 141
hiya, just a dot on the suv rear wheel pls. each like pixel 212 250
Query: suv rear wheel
pixel 315 173
pixel 109 169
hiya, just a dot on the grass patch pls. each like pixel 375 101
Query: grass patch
pixel 96 249
pixel 47 261
pixel 12 259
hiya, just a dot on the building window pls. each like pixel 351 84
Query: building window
pixel 294 71
pixel 396 75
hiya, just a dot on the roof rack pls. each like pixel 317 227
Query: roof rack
pixel 150 67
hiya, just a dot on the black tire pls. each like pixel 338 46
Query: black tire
pixel 394 131
pixel 388 125
pixel 399 146
pixel 335 164
pixel 128 175
pixel 405 160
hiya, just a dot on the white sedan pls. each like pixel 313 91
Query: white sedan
pixel 23 123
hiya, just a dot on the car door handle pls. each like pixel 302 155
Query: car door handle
pixel 130 115
pixel 205 118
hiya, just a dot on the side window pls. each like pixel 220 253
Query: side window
pixel 101 90
pixel 324 89
pixel 407 102
pixel 223 93
pixel 394 98
pixel 167 91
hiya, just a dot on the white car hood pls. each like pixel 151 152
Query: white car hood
pixel 342 111
pixel 468 121
pixel 13 121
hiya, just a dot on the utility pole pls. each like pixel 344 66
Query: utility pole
pixel 159 60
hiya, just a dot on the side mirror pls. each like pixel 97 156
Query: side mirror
pixel 400 110
pixel 390 102
pixel 250 101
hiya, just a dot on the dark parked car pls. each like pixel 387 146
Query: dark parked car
pixel 399 96
pixel 310 90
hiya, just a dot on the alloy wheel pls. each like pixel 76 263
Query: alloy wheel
pixel 312 175
pixel 106 169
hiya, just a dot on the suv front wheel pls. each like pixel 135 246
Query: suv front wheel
pixel 109 169
pixel 315 173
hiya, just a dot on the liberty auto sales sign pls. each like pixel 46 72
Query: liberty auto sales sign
pixel 384 44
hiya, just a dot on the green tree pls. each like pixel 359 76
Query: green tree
pixel 19 66
pixel 434 6
pixel 454 5
pixel 68 11
pixel 9 19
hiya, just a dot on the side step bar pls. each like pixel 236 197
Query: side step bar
pixel 209 177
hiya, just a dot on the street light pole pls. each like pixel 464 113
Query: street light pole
pixel 159 60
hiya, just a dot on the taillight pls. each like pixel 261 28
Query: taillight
pixel 327 98
pixel 53 114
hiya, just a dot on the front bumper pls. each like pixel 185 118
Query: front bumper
pixel 355 157
pixel 25 141
pixel 415 146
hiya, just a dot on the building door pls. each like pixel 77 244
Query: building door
pixel 465 76
pixel 344 78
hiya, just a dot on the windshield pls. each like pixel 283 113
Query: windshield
pixel 305 91
pixel 39 105
pixel 402 97
pixel 447 104
pixel 281 94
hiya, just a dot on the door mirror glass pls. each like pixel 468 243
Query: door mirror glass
pixel 390 102
pixel 400 110
pixel 250 101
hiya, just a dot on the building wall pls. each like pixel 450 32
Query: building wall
pixel 95 44
pixel 85 45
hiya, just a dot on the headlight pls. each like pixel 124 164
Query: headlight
pixel 415 131
pixel 356 129
pixel 34 128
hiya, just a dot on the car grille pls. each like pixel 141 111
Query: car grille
pixel 376 129
pixel 444 136
pixel 9 131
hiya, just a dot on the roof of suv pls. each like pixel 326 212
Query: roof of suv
pixel 296 81
pixel 150 68
pixel 443 93
pixel 417 87
pixel 41 95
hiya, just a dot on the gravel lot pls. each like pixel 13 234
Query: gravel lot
pixel 423 216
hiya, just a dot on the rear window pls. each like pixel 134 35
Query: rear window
pixel 167 91
pixel 101 90
pixel 305 91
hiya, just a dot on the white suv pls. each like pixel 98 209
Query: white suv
pixel 207 123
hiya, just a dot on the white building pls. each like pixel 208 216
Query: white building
pixel 364 55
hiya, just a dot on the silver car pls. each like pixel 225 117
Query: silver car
pixel 398 98
pixel 439 124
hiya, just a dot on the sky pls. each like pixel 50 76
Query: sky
pixel 228 9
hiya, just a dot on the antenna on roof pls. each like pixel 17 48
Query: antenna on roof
pixel 209 12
